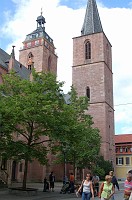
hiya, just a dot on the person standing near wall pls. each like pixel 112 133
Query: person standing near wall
pixel 51 180
pixel 71 182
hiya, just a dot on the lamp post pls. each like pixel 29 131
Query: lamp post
pixel 65 169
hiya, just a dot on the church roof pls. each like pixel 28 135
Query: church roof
pixel 22 71
pixel 92 23
pixel 4 59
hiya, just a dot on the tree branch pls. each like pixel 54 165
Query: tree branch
pixel 21 133
pixel 33 144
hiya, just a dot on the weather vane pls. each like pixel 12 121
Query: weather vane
pixel 41 11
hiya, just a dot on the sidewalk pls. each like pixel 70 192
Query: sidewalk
pixel 5 195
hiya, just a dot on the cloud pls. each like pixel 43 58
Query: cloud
pixel 62 24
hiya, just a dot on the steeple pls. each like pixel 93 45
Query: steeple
pixel 13 52
pixel 92 22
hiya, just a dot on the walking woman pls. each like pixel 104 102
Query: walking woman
pixel 106 189
pixel 87 188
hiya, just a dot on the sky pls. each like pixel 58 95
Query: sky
pixel 64 20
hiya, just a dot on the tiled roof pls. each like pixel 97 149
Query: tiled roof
pixel 92 22
pixel 22 71
pixel 4 58
pixel 124 138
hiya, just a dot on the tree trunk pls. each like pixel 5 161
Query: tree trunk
pixel 25 174
pixel 74 164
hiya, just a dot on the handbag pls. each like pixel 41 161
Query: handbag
pixel 81 190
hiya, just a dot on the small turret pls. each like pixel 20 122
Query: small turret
pixel 40 20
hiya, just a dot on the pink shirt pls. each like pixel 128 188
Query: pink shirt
pixel 127 187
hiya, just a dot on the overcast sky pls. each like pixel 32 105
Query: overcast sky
pixel 64 19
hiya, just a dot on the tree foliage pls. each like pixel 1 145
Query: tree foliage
pixel 30 116
pixel 102 165
pixel 35 119
pixel 82 145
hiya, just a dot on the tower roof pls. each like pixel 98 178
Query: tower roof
pixel 40 31
pixel 92 22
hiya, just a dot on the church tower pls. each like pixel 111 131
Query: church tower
pixel 92 76
pixel 38 50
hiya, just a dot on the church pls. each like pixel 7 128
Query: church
pixel 91 76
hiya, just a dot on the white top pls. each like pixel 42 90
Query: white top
pixel 86 187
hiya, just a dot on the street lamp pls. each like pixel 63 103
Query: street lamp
pixel 65 168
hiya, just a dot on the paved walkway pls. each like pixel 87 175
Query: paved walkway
pixel 5 195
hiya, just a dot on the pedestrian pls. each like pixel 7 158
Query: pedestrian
pixel 95 181
pixel 128 186
pixel 87 188
pixel 51 181
pixel 46 185
pixel 65 180
pixel 106 189
pixel 114 181
pixel 71 182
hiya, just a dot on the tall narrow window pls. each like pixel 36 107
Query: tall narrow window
pixel 107 54
pixel 20 167
pixel 127 161
pixel 88 92
pixel 49 63
pixel 30 62
pixel 88 50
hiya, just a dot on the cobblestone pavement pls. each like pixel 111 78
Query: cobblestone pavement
pixel 6 195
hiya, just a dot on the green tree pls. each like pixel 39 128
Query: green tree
pixel 104 165
pixel 83 143
pixel 31 112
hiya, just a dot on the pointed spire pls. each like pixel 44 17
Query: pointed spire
pixel 12 59
pixel 92 22
pixel 13 52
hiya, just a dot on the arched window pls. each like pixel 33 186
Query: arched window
pixel 107 54
pixel 30 63
pixel 49 63
pixel 88 92
pixel 88 50
pixel 30 55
